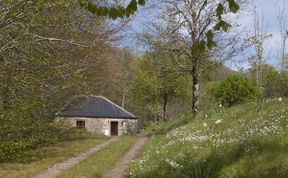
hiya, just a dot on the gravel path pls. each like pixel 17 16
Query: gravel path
pixel 57 169
pixel 119 170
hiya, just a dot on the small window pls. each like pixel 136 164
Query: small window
pixel 80 124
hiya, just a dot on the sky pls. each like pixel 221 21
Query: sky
pixel 267 10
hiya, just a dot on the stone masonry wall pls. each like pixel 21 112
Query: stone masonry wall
pixel 103 125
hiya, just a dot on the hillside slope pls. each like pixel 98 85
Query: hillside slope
pixel 234 142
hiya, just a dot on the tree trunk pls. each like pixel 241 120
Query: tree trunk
pixel 195 91
pixel 194 61
pixel 123 98
pixel 283 66
pixel 165 101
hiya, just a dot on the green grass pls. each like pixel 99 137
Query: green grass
pixel 101 161
pixel 164 127
pixel 234 142
pixel 34 162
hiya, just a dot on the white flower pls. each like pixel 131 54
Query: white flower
pixel 205 124
pixel 218 121
pixel 173 163
pixel 280 99
pixel 220 105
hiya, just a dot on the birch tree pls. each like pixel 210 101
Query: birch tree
pixel 258 40
pixel 283 29
pixel 190 31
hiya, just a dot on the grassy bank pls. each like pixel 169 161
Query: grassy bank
pixel 101 161
pixel 35 161
pixel 164 127
pixel 234 142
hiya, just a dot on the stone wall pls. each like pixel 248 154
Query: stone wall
pixel 103 125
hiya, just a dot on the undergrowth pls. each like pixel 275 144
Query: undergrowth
pixel 237 142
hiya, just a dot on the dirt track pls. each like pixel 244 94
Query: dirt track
pixel 119 170
pixel 57 169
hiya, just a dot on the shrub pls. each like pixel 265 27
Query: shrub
pixel 18 137
pixel 275 84
pixel 273 81
pixel 234 90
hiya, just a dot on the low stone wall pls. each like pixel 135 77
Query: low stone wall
pixel 103 125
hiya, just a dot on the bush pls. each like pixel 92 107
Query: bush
pixel 234 90
pixel 20 136
pixel 273 81
pixel 275 84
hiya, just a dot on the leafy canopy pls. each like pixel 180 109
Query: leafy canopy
pixel 156 79
pixel 234 90
pixel 273 82
pixel 112 12
pixel 125 12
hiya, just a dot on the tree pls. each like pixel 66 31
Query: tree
pixel 190 14
pixel 258 40
pixel 189 30
pixel 283 23
pixel 274 83
pixel 46 49
pixel 234 90
pixel 30 74
pixel 157 81
pixel 125 74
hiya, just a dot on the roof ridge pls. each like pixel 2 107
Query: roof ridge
pixel 111 102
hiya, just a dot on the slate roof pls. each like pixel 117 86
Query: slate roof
pixel 94 107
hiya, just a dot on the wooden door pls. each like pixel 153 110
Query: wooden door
pixel 114 128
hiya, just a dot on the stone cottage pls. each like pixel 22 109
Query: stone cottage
pixel 99 115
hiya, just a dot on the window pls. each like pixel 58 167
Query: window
pixel 80 124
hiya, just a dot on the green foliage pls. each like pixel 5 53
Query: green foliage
pixel 274 83
pixel 234 7
pixel 36 161
pixel 234 90
pixel 29 76
pixel 210 42
pixel 121 12
pixel 241 142
pixel 221 24
pixel 22 137
pixel 156 82
pixel 78 134
pixel 40 69
pixel 164 127
pixel 112 12
pixel 199 48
